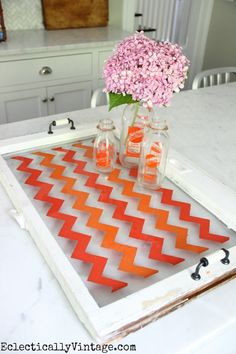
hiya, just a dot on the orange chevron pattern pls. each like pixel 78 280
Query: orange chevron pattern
pixel 88 149
pixel 98 262
pixel 162 215
pixel 136 223
pixel 110 232
pixel 185 209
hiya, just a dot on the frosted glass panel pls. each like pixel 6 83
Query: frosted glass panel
pixel 119 237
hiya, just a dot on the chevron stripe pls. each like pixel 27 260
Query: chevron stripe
pixel 98 263
pixel 119 213
pixel 144 205
pixel 109 232
pixel 162 215
pixel 185 209
pixel 88 149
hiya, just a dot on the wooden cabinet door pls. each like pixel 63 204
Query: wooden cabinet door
pixel 69 97
pixel 20 105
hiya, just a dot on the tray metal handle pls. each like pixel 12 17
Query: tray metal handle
pixel 203 263
pixel 56 123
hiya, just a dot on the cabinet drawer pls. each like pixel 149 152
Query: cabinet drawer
pixel 102 56
pixel 31 70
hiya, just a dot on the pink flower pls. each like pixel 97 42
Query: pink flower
pixel 147 70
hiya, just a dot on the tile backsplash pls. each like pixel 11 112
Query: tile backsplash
pixel 22 14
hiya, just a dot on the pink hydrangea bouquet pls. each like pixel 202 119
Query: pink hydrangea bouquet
pixel 142 69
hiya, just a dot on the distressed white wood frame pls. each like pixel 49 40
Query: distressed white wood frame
pixel 132 312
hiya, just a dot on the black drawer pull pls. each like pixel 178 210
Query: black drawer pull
pixel 203 263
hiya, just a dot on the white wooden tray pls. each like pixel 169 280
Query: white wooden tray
pixel 166 283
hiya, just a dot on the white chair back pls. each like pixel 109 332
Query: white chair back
pixel 213 77
pixel 99 98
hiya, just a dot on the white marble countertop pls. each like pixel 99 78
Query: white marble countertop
pixel 34 41
pixel 33 308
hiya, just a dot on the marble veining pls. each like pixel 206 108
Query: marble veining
pixel 202 126
pixel 40 40
pixel 32 305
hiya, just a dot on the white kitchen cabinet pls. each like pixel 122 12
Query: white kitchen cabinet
pixel 68 97
pixel 37 102
pixel 49 72
pixel 34 69
pixel 35 85
pixel 20 105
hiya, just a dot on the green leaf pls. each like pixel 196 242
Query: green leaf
pixel 116 99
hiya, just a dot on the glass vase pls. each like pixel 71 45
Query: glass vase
pixel 135 120
pixel 155 146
